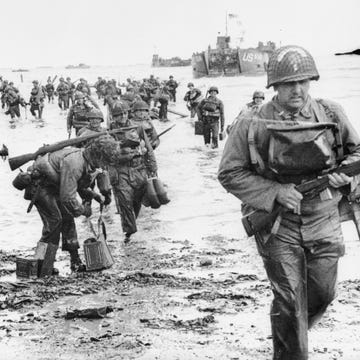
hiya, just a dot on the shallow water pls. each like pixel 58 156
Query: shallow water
pixel 199 206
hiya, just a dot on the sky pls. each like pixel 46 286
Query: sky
pixel 117 32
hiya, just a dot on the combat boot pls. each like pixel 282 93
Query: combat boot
pixel 76 264
pixel 127 238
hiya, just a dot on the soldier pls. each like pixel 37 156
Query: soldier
pixel 83 87
pixel 50 89
pixel 163 97
pixel 63 91
pixel 145 91
pixel 210 110
pixel 71 86
pixel 192 98
pixel 95 117
pixel 37 98
pixel 129 178
pixel 77 116
pixel 53 182
pixel 130 96
pixel 301 249
pixel 253 106
pixel 100 87
pixel 3 88
pixel 13 101
pixel 172 85
pixel 142 118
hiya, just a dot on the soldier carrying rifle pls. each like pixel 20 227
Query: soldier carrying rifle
pixel 269 154
pixel 52 183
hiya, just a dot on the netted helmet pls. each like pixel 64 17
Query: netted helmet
pixel 35 82
pixel 102 151
pixel 213 88
pixel 258 94
pixel 140 105
pixel 120 108
pixel 190 84
pixel 95 114
pixel 79 95
pixel 291 63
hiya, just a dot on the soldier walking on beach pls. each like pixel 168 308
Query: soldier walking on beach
pixel 37 98
pixel 50 90
pixel 262 162
pixel 78 114
pixel 172 85
pixel 210 112
pixel 192 98
pixel 62 91
pixel 141 117
pixel 129 178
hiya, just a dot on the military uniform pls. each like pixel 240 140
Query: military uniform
pixel 37 97
pixel 129 178
pixel 149 129
pixel 210 112
pixel 50 89
pixel 172 85
pixel 301 255
pixel 193 98
pixel 14 100
pixel 63 92
pixel 78 115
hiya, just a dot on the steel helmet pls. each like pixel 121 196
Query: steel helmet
pixel 213 88
pixel 35 82
pixel 190 84
pixel 140 105
pixel 258 94
pixel 79 95
pixel 290 63
pixel 102 151
pixel 95 114
pixel 61 79
pixel 120 108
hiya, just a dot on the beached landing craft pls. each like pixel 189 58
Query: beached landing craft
pixel 227 61
pixel 157 61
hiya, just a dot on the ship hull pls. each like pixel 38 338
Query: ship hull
pixel 229 62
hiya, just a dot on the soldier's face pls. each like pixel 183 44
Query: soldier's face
pixel 121 118
pixel 141 114
pixel 258 100
pixel 95 123
pixel 292 95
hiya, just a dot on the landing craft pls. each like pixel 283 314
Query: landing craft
pixel 227 61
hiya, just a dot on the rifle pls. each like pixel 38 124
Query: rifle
pixel 55 77
pixel 165 131
pixel 17 161
pixel 258 220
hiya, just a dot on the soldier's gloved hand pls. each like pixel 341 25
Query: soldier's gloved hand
pixel 289 197
pixel 339 180
pixel 87 210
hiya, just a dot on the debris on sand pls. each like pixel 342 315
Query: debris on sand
pixel 197 324
pixel 89 313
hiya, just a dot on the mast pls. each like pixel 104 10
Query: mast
pixel 226 25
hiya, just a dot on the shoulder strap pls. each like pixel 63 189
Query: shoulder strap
pixel 332 117
pixel 255 157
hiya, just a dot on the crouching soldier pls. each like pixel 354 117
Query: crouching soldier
pixel 52 184
pixel 129 178
pixel 210 111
